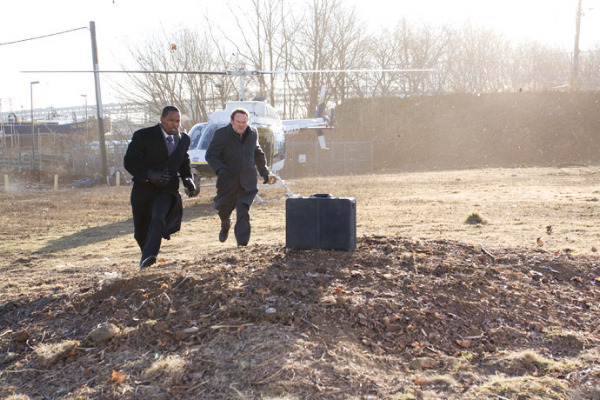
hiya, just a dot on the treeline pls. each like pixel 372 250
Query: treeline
pixel 327 35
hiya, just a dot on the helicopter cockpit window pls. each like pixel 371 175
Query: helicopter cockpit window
pixel 208 133
pixel 271 112
pixel 195 135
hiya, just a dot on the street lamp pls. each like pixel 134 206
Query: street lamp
pixel 32 125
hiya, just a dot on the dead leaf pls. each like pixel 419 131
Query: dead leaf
pixel 263 291
pixel 539 242
pixel 117 377
pixel 464 343
pixel 422 381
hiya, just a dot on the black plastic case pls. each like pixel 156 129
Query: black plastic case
pixel 320 222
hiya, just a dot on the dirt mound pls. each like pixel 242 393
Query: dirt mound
pixel 488 130
pixel 397 318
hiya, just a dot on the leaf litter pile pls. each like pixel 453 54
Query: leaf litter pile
pixel 397 318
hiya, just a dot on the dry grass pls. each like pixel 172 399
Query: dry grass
pixel 418 311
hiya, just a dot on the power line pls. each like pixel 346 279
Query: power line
pixel 43 37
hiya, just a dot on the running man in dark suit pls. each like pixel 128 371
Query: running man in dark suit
pixel 157 157
pixel 235 155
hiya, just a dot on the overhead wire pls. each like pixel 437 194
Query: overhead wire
pixel 43 36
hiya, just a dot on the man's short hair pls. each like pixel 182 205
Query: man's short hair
pixel 169 109
pixel 239 111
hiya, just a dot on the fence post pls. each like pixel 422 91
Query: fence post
pixel 118 178
pixel 6 182
pixel 55 181
pixel 40 147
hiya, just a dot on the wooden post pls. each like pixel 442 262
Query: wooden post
pixel 118 178
pixel 6 182
pixel 55 181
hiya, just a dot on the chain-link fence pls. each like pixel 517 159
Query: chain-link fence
pixel 340 158
pixel 86 160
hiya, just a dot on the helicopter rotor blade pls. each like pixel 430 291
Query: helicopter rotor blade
pixel 243 73
pixel 232 72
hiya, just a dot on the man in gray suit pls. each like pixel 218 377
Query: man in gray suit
pixel 235 155
pixel 157 157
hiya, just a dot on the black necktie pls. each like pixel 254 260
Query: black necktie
pixel 170 144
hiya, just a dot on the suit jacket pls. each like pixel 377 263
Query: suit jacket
pixel 148 151
pixel 241 161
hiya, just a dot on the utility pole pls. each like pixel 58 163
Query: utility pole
pixel 99 114
pixel 575 68
pixel 32 126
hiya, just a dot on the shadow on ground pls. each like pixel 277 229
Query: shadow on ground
pixel 111 231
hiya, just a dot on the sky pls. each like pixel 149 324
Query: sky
pixel 121 22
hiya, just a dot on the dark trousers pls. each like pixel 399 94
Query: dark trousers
pixel 242 221
pixel 150 244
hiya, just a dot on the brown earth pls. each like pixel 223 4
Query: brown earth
pixel 426 307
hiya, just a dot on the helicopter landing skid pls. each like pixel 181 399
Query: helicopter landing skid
pixel 281 183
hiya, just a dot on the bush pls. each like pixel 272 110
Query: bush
pixel 474 219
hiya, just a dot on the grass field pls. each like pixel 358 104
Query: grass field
pixel 427 307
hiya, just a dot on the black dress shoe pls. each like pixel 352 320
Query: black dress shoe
pixel 225 225
pixel 148 261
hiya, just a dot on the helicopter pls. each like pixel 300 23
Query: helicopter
pixel 271 132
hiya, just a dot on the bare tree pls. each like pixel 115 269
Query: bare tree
pixel 290 83
pixel 184 50
pixel 476 61
pixel 384 49
pixel 280 35
pixel 259 42
pixel 313 47
pixel 348 50
pixel 589 70
pixel 407 47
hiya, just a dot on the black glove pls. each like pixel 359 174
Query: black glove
pixel 190 187
pixel 269 179
pixel 158 178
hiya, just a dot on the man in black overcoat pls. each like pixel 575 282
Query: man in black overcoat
pixel 235 155
pixel 157 157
